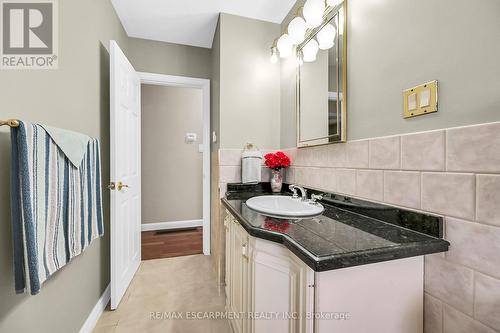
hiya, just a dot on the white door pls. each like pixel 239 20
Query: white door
pixel 125 173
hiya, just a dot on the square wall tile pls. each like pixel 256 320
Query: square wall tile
pixel 337 155
pixel 230 174
pixel 402 188
pixel 487 301
pixel 222 190
pixel 300 175
pixel 456 322
pixel 488 199
pixel 385 153
pixel 357 154
pixel 313 177
pixel 423 151
pixel 292 154
pixel 433 314
pixel 474 245
pixel 345 180
pixel 229 157
pixel 307 176
pixel 370 184
pixel 473 148
pixel 321 179
pixel 449 282
pixel 290 175
pixel 319 156
pixel 265 174
pixel 303 157
pixel 328 179
pixel 450 194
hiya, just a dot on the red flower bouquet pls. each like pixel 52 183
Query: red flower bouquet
pixel 277 161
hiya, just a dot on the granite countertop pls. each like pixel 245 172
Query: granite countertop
pixel 350 232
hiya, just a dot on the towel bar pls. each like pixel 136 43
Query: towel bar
pixel 10 122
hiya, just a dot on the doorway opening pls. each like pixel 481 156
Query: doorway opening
pixel 175 164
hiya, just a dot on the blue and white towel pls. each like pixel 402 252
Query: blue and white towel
pixel 56 200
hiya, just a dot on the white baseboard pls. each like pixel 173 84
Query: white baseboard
pixel 96 312
pixel 171 225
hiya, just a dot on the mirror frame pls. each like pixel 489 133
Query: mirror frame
pixel 310 34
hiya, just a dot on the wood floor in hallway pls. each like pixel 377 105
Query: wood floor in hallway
pixel 162 286
pixel 171 243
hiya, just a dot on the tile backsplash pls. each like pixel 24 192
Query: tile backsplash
pixel 454 173
pixel 230 167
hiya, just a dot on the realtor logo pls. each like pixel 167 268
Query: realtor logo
pixel 29 34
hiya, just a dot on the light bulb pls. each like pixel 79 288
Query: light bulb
pixel 326 37
pixel 285 46
pixel 313 13
pixel 310 50
pixel 274 55
pixel 297 30
pixel 333 3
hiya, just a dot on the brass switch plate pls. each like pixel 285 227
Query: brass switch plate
pixel 421 99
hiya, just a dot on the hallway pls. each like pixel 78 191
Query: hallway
pixel 180 284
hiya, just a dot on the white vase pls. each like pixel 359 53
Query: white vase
pixel 276 181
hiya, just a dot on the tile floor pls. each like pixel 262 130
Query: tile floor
pixel 166 285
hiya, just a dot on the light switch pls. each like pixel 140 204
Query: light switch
pixel 412 101
pixel 420 100
pixel 191 137
pixel 425 98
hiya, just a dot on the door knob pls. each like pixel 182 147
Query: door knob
pixel 120 186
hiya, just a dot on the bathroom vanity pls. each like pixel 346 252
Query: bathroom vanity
pixel 358 267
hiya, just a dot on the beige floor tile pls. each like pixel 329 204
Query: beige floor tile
pixel 178 284
pixel 105 329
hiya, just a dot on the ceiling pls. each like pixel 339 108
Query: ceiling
pixel 191 22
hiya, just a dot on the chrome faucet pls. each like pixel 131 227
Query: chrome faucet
pixel 295 195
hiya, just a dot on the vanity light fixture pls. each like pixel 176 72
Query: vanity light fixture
pixel 309 17
pixel 274 52
pixel 326 37
pixel 300 59
pixel 313 13
pixel 297 30
pixel 285 46
pixel 274 55
pixel 310 50
pixel 333 3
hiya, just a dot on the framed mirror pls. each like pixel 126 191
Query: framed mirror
pixel 322 81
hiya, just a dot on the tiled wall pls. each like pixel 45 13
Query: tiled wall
pixel 454 173
pixel 230 167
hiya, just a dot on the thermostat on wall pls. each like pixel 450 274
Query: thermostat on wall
pixel 190 137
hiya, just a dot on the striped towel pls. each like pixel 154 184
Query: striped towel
pixel 56 201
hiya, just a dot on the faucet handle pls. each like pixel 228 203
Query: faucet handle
pixel 315 197
pixel 292 188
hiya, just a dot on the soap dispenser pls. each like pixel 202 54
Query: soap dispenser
pixel 251 164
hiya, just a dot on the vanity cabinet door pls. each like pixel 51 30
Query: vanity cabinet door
pixel 228 253
pixel 237 275
pixel 282 284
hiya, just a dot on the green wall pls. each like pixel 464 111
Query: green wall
pixel 397 44
pixel 76 97
pixel 249 84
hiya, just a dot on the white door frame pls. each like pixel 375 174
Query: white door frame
pixel 204 85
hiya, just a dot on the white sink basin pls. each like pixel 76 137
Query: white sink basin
pixel 284 206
